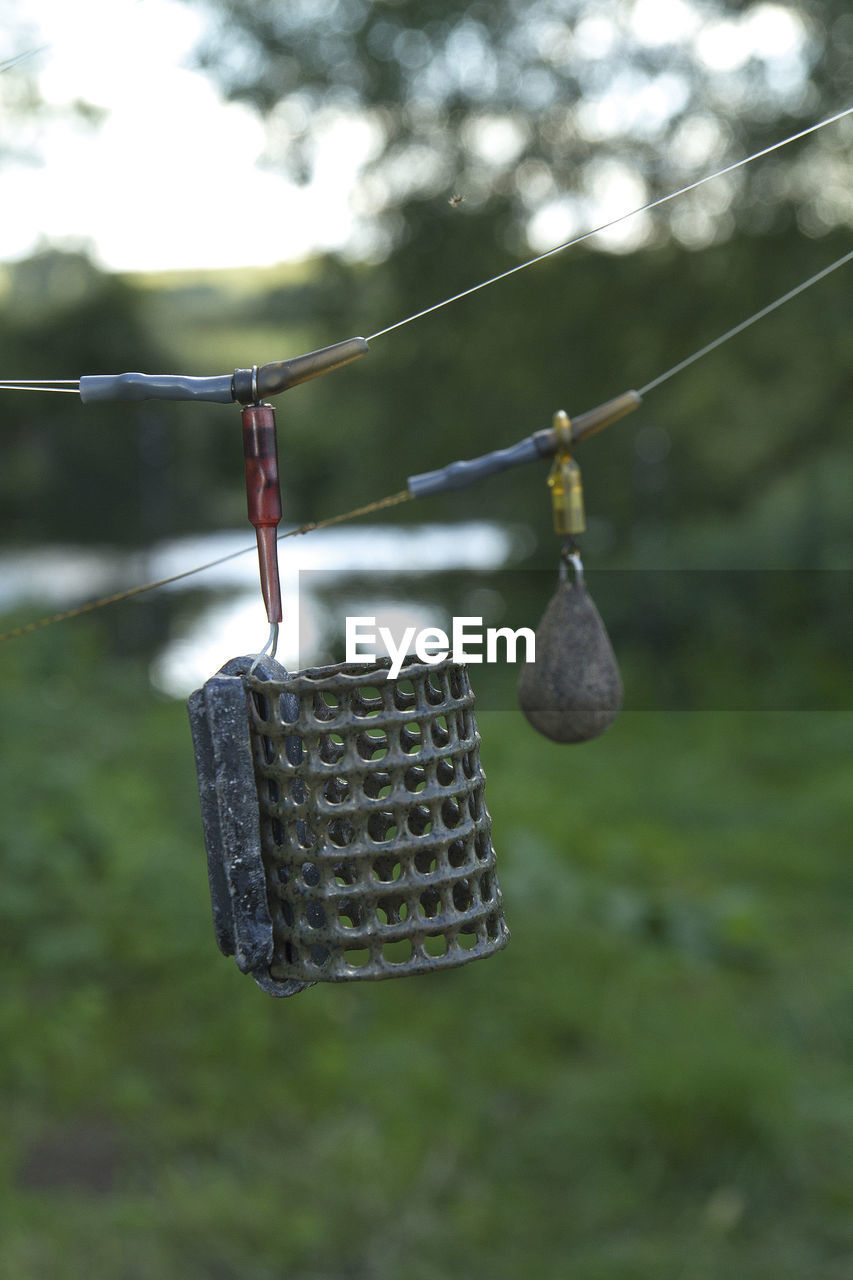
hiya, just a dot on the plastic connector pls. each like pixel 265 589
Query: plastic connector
pixel 95 388
pixel 246 386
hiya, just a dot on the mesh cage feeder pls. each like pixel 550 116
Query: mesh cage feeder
pixel 345 822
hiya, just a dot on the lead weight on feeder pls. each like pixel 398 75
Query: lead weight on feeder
pixel 573 691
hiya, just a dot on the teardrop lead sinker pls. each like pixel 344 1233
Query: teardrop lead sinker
pixel 573 691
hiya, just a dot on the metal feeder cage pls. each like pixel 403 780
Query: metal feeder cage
pixel 345 822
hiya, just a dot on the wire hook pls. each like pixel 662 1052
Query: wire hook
pixel 269 648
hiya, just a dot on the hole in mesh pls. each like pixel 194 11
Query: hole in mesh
pixel 311 873
pixel 273 791
pixel 435 944
pixel 486 887
pixel 445 773
pixel 462 896
pixel 475 803
pixel 420 821
pixel 291 955
pixel 326 705
pixel 482 845
pixel 440 732
pixel 434 689
pixel 425 862
pixel 451 815
pixel 358 957
pixel 286 913
pixel 387 869
pixel 405 697
pixel 411 738
pixel 304 835
pixel 372 744
pixel 465 725
pixel 366 701
pixel 397 952
pixel 429 904
pixel 467 941
pixel 315 915
pixel 297 790
pixel 319 955
pixel 282 874
pixel 351 914
pixel 468 764
pixel 457 683
pixel 381 827
pixel 277 828
pixel 377 786
pixel 341 833
pixel 345 873
pixel 456 854
pixel 336 790
pixel 493 927
pixel 392 911
pixel 414 779
pixel 331 748
pixel 268 748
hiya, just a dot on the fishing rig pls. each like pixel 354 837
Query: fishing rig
pixel 343 808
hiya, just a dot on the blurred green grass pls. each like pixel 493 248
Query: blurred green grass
pixel 653 1081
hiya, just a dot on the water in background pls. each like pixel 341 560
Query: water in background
pixel 62 577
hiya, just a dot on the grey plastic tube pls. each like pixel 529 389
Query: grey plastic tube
pixel 542 444
pixel 457 475
pixel 155 386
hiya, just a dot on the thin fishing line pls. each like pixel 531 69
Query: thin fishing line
pixel 404 495
pixel 21 57
pixel 24 384
pixel 623 217
pixel 22 387
pixel 744 324
pixel 391 501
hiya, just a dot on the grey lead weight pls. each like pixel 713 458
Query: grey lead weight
pixel 573 691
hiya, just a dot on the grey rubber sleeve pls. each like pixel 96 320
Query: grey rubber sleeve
pixel 459 474
pixel 155 386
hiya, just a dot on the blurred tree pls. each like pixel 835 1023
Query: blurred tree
pixel 22 107
pixel 542 114
pixel 116 474
pixel 547 118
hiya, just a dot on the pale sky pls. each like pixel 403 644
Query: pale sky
pixel 163 182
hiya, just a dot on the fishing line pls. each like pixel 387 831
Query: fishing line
pixel 404 495
pixel 21 57
pixel 71 385
pixel 20 386
pixel 744 324
pixel 391 501
pixel 614 222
